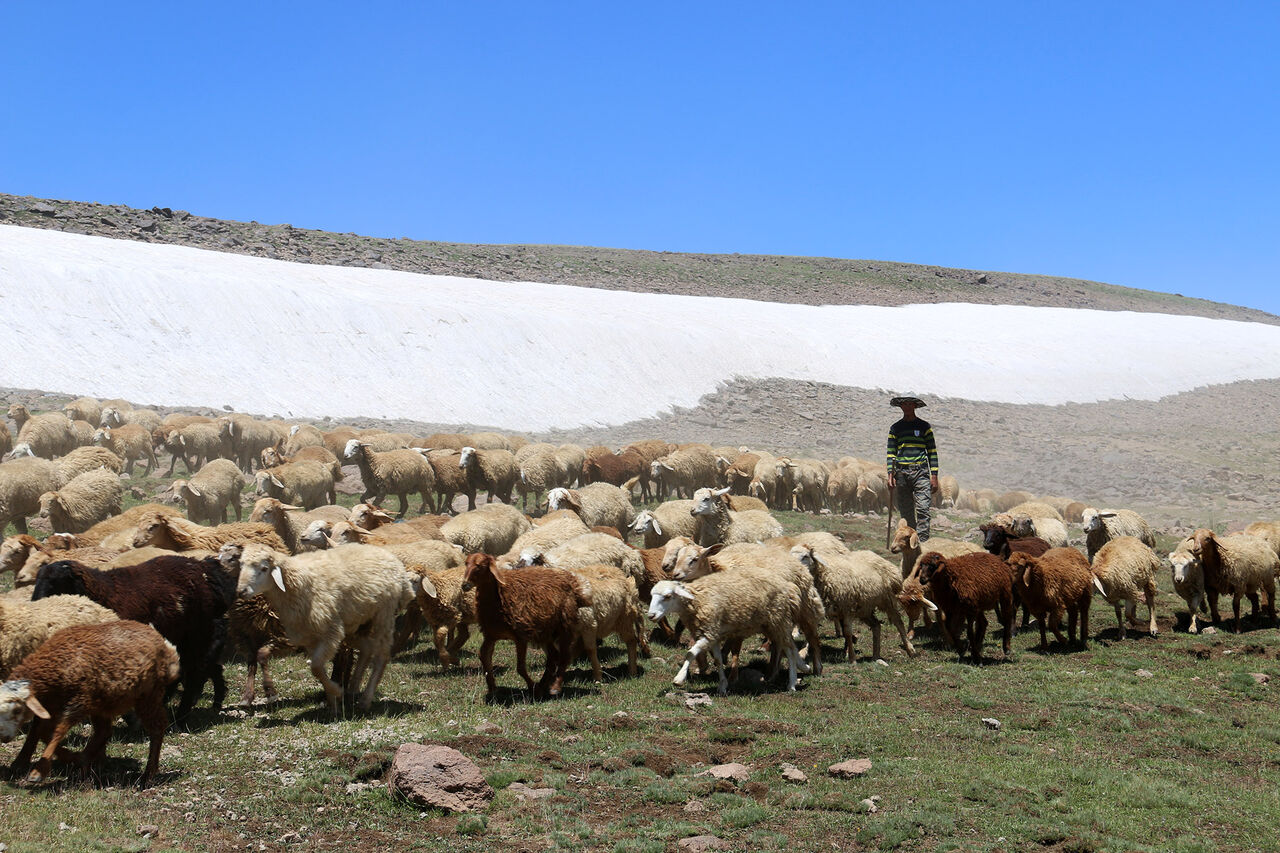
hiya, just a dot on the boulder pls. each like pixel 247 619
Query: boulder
pixel 438 777
pixel 850 769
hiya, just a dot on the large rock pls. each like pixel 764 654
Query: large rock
pixel 851 769
pixel 438 777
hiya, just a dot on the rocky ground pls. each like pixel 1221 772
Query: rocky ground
pixel 812 281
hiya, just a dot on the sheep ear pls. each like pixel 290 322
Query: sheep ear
pixel 1107 514
pixel 929 604
pixel 1026 576
pixel 680 590
pixel 278 576
pixel 428 588
pixel 711 551
pixel 721 492
pixel 182 440
pixel 358 529
pixel 1098 584
pixel 194 490
pixel 290 507
pixel 33 704
pixel 275 481
pixel 657 528
pixel 914 542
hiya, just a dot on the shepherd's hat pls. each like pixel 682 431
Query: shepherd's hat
pixel 916 401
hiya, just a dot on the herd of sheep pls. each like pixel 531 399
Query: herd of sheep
pixel 114 609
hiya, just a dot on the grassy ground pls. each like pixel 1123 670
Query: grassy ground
pixel 1161 744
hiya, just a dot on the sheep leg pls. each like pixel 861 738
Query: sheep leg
pixel 1086 601
pixel 522 649
pixel 1044 636
pixel 642 635
pixel 486 663
pixel 1235 609
pixel 590 645
pixel 41 770
pixel 1150 594
pixel 1120 618
pixel 95 751
pixel 1073 616
pixel 895 619
pixel 376 668
pixel 847 630
pixel 1212 595
pixel 699 647
pixel 404 504
pixel 151 713
pixel 235 502
pixel 723 688
pixel 977 636
pixel 561 662
pixel 459 640
pixel 1055 625
pixel 1195 605
pixel 441 636
pixel 317 659
pixel 428 504
pixel 793 660
pixel 1269 587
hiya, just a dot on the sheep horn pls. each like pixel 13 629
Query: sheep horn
pixel 929 604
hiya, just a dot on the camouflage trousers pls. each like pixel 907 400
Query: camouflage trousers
pixel 913 496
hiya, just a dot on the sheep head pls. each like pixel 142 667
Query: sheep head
pixel 562 498
pixel 153 530
pixel 693 562
pixel 645 522
pixel 929 565
pixel 468 454
pixel 993 537
pixel 50 502
pixel 15 550
pixel 1091 520
pixel 259 569
pixel 17 706
pixel 806 556
pixel 1186 568
pixel 904 538
pixel 481 568
pixel 351 450
pixel 316 535
pixel 708 501
pixel 21 449
pixel 668 598
pixel 1022 525
pixel 19 413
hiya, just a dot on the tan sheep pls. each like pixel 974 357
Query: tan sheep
pixel 89 498
pixel 664 522
pixel 1123 569
pixel 178 534
pixel 48 434
pixel 614 609
pixel 597 504
pixel 586 550
pixel 491 529
pixel 854 585
pixel 131 443
pixel 398 472
pixel 22 482
pixel 307 483
pixel 495 471
pixel 84 409
pixel 214 487
pixel 84 459
pixel 716 523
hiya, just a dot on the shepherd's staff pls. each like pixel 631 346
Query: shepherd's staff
pixel 888 516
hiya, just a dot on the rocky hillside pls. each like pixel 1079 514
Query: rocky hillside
pixel 812 281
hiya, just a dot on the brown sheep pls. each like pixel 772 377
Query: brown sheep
pixel 965 588
pixel 1057 580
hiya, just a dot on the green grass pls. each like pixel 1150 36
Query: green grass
pixel 1089 756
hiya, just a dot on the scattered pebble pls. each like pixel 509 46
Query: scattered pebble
pixel 524 792
pixel 701 843
pixel 870 806
pixel 1143 673
pixel 1260 677
pixel 487 728
pixel 793 774
pixel 694 807
pixel 991 723
pixel 149 830
pixel 882 662
pixel 733 771
pixel 62 827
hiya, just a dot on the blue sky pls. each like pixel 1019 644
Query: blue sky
pixel 1134 143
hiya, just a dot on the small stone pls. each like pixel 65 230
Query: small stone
pixel 850 769
pixel 438 776
pixel 701 843
pixel 149 830
pixel 882 662
pixel 1208 630
pixel 694 807
pixel 1143 673
pixel 290 838
pixel 489 729
pixel 1260 677
pixel 63 827
pixel 621 715
pixel 793 774
pixel 870 805
pixel 733 771
pixel 991 723
pixel 358 787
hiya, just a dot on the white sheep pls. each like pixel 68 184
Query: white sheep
pixel 131 443
pixel 543 537
pixel 614 609
pixel 1051 530
pixel 855 585
pixel 83 459
pixel 25 625
pixel 491 529
pixel 685 471
pixel 48 434
pixel 664 522
pixel 586 550
pixel 540 471
pixel 716 523
pixel 392 472
pixel 728 607
pixel 22 482
pixel 1240 565
pixel 1123 569
pixel 1188 582
pixel 1103 525
pixel 494 470
pixel 292 523
pixel 247 438
pixel 308 483
pixel 214 487
pixel 324 598
pixel 89 498
pixel 597 504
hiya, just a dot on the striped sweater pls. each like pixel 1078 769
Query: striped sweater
pixel 911 444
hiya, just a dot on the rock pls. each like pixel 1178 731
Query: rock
pixel 734 771
pixel 694 807
pixel 701 843
pixel 881 662
pixel 488 728
pixel 1208 630
pixel 149 830
pixel 1260 677
pixel 524 792
pixel 793 774
pixel 147 225
pixel 991 723
pixel 870 805
pixel 43 209
pixel 438 777
pixel 1143 673
pixel 851 769
pixel 690 700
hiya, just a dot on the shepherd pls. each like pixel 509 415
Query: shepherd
pixel 912 463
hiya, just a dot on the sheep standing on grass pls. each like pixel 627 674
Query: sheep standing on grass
pixel 247 438
pixel 1124 568
pixel 22 482
pixel 527 606
pixel 965 588
pixel 84 409
pixel 89 672
pixel 290 522
pixel 1238 565
pixel 396 472
pixel 495 471
pixel 207 495
pixel 685 471
pixel 491 529
pixel 1057 580
pixel 1103 525
pixel 907 543
pixel 585 550
pixel 177 534
pixel 323 598
pixel 716 523
pixel 542 537
pixel 131 443
pixel 1051 530
pixel 197 444
pixel 597 504
pixel 1188 582
pixel 89 498
pixel 664 522
pixel 307 483
pixel 614 609
pixel 854 585
pixel 48 434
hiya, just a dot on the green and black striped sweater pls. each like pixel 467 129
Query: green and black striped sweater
pixel 911 444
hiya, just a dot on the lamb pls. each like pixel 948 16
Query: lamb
pixel 764 483
pixel 323 598
pixel 1103 525
pixel 290 522
pixel 538 606
pixel 84 459
pixel 247 438
pixel 666 520
pixel 540 471
pixel 22 482
pixel 307 483
pixel 449 607
pixel 113 416
pixel 1240 564
pixel 596 504
pixel 87 499
pixel 1049 529
pixel 94 672
pixel 393 472
pixel 572 458
pixel 495 471
pixel 617 468
pixel 48 434
pixel 964 588
pixel 856 585
pixel 1123 568
pixel 999 541
pixel 810 487
pixel 178 534
pixel 208 494
pixel 586 550
pixel 1057 580
pixel 842 490
pixel 873 492
pixel 728 607
pixel 740 471
pixel 1188 581
pixel 83 409
pixel 185 599
pixel 23 555
pixel 491 529
pixel 451 477
pixel 907 543
pixel 685 471
pixel 131 443
pixel 24 626
pixel 614 609
pixel 716 523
